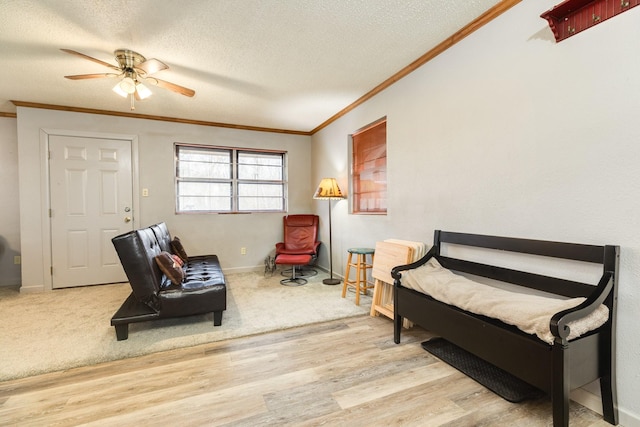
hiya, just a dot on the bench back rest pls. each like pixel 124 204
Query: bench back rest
pixel 137 250
pixel 607 256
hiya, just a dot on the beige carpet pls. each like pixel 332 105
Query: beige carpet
pixel 50 331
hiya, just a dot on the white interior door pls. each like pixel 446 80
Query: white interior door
pixel 91 202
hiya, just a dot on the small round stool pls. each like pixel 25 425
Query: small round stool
pixel 360 283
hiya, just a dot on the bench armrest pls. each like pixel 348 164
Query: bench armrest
pixel 396 272
pixel 559 324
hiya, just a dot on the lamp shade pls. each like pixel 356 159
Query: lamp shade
pixel 143 91
pixel 127 85
pixel 328 189
pixel 117 89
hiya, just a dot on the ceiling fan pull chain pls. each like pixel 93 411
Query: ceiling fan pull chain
pixel 132 102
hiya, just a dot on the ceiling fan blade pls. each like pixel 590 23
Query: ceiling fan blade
pixel 173 87
pixel 90 76
pixel 152 65
pixel 97 61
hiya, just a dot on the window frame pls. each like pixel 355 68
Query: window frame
pixel 234 181
pixel 354 176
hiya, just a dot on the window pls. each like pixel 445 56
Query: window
pixel 369 169
pixel 218 179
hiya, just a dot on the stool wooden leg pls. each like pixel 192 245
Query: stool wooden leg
pixel 371 268
pixel 358 278
pixel 369 285
pixel 346 277
pixel 364 285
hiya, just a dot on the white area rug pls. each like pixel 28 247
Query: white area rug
pixel 67 328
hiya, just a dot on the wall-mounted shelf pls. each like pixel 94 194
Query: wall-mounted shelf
pixel 572 16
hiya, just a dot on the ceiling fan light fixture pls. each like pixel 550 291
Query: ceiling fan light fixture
pixel 117 89
pixel 143 91
pixel 132 68
pixel 128 85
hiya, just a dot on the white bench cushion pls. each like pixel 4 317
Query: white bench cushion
pixel 529 313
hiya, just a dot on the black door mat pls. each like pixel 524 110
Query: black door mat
pixel 495 379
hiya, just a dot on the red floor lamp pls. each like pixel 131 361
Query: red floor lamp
pixel 328 190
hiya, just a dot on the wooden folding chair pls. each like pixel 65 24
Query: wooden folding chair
pixel 388 255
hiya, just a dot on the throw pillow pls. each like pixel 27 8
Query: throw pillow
pixel 177 247
pixel 170 268
pixel 178 260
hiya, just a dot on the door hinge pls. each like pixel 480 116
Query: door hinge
pixel 50 213
pixel 51 270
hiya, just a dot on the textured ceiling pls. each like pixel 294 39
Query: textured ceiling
pixel 283 64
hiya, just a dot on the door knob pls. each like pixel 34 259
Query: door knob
pixel 127 219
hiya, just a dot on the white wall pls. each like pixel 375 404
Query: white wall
pixel 510 133
pixel 9 196
pixel 223 235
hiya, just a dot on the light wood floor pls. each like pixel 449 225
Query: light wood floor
pixel 346 372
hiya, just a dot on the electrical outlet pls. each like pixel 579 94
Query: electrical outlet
pixel 17 259
pixel 145 192
pixel 243 251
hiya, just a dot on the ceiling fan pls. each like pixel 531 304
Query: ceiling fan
pixel 133 70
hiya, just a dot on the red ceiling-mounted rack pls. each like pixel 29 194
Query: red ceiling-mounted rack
pixel 572 16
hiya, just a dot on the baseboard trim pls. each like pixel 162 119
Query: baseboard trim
pixel 30 289
pixel 594 402
pixel 627 419
pixel 246 269
pixel 260 268
pixel 587 399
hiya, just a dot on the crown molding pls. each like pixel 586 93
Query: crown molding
pixel 152 117
pixel 474 25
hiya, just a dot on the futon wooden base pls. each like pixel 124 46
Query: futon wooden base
pixel 133 311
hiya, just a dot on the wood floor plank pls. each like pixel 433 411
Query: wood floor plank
pixel 345 372
pixel 385 386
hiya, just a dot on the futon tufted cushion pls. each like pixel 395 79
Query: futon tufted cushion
pixel 202 271
pixel 203 289
pixel 162 236
pixel 137 250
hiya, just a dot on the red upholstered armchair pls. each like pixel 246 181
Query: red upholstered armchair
pixel 300 245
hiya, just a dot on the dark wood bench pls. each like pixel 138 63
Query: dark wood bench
pixel 555 369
